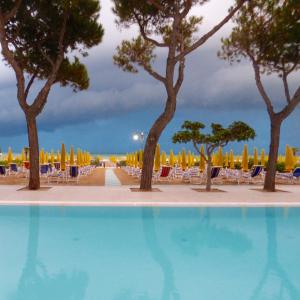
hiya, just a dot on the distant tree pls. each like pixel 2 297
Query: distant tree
pixel 267 33
pixel 219 137
pixel 167 25
pixel 37 38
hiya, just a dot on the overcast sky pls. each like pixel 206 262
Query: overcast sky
pixel 103 118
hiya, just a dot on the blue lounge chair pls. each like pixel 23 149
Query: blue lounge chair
pixel 290 176
pixel 2 170
pixel 254 173
pixel 73 174
pixel 215 171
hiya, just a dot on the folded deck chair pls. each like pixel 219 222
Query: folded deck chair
pixel 163 174
pixel 73 174
pixel 13 168
pixel 215 171
pixel 255 171
pixel 44 171
pixel 2 170
pixel 291 176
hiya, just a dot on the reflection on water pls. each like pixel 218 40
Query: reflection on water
pixel 204 233
pixel 159 255
pixel 35 282
pixel 149 254
pixel 273 269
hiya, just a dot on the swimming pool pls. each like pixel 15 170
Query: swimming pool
pixel 79 253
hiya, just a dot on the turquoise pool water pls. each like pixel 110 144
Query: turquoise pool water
pixel 149 254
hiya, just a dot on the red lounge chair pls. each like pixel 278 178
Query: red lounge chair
pixel 163 174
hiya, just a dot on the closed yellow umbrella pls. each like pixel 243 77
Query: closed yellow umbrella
pixel 42 157
pixel 163 158
pixel 189 159
pixel 183 160
pixel 289 158
pixel 63 158
pixel 220 157
pixel 214 159
pixel 245 159
pixel 157 158
pixel 255 156
pixel 202 160
pixel 72 159
pixel 226 161
pixel 23 156
pixel 46 157
pixel 179 159
pixel 141 157
pixel 79 159
pixel 171 158
pixel 9 156
pixel 58 156
pixel 136 159
pixel 231 159
pixel 52 158
pixel 262 157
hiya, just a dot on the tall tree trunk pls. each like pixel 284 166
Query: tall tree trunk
pixel 208 174
pixel 34 174
pixel 149 152
pixel 269 184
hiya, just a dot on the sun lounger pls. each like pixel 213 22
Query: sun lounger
pixel 292 176
pixel 256 172
pixel 164 174
pixel 2 170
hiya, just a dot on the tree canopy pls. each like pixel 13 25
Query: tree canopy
pixel 42 30
pixel 268 34
pixel 219 136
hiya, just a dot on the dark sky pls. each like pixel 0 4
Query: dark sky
pixel 103 118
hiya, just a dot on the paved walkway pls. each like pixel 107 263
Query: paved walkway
pixel 179 196
pixel 110 178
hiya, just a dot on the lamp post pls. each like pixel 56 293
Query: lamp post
pixel 139 136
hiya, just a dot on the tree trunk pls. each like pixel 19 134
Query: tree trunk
pixel 208 174
pixel 34 172
pixel 269 184
pixel 149 152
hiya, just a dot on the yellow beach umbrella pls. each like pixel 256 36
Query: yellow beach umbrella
pixel 183 160
pixel 52 158
pixel 255 157
pixel 189 159
pixel 163 158
pixel 72 159
pixel 262 157
pixel 23 156
pixel 202 160
pixel 141 157
pixel 289 158
pixel 42 157
pixel 79 158
pixel 9 156
pixel 245 159
pixel 63 158
pixel 179 159
pixel 231 159
pixel 226 161
pixel 46 157
pixel 136 159
pixel 171 158
pixel 220 156
pixel 157 158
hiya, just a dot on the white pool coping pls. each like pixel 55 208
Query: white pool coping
pixel 170 196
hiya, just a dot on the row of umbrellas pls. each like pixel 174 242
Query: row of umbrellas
pixel 228 160
pixel 82 158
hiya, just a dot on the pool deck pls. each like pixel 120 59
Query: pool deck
pixel 169 196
